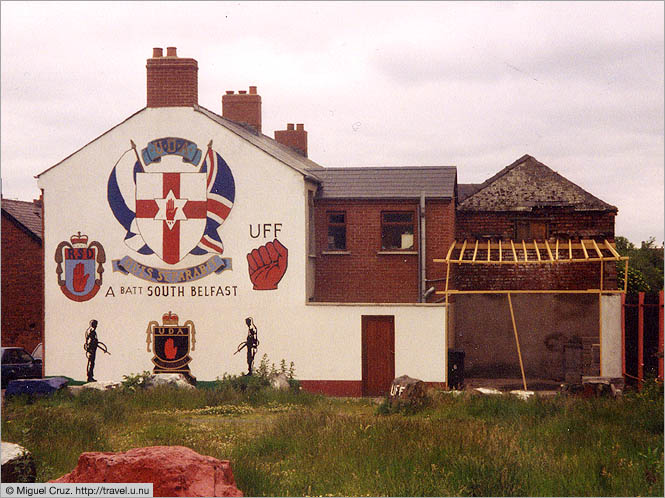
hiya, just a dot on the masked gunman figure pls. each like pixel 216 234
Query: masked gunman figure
pixel 251 344
pixel 90 347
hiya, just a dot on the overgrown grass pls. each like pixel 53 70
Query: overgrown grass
pixel 296 444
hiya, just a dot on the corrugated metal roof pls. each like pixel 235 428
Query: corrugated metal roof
pixel 528 184
pixel 407 182
pixel 28 214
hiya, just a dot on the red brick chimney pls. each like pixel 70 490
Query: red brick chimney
pixel 294 138
pixel 172 81
pixel 243 107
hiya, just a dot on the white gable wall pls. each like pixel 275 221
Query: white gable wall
pixel 322 341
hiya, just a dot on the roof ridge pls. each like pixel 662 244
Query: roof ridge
pixel 533 161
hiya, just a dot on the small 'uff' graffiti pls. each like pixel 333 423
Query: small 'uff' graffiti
pixel 83 267
pixel 171 344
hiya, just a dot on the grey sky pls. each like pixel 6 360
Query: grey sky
pixel 579 85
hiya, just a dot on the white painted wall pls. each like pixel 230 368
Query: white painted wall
pixel 322 341
pixel 610 359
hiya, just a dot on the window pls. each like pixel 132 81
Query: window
pixel 397 230
pixel 337 231
pixel 530 230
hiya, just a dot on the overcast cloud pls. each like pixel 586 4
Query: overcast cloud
pixel 579 85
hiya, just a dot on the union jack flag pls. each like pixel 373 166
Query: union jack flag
pixel 221 194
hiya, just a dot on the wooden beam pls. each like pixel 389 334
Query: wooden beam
pixel 513 248
pixel 535 244
pixel 545 291
pixel 500 252
pixel 461 254
pixel 489 249
pixel 526 256
pixel 557 249
pixel 595 246
pixel 586 254
pixel 450 251
pixel 570 249
pixel 475 251
pixel 612 249
pixel 549 250
pixel 517 340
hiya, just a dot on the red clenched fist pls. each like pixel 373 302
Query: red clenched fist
pixel 267 265
pixel 80 278
pixel 169 349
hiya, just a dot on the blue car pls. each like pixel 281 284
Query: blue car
pixel 17 363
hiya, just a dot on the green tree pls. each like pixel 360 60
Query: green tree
pixel 645 267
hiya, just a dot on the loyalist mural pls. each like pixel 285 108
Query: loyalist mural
pixel 178 231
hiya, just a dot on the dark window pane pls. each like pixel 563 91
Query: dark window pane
pixel 337 237
pixel 23 357
pixel 336 217
pixel 398 217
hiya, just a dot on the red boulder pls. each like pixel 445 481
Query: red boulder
pixel 173 471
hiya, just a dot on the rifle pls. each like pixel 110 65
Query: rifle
pixel 102 346
pixel 240 346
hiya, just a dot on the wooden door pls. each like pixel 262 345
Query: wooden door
pixel 378 354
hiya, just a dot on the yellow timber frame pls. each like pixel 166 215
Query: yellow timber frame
pixel 546 253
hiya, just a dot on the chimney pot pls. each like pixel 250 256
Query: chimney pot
pixel 171 81
pixel 294 138
pixel 243 108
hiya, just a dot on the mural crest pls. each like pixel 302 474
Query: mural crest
pixel 172 210
pixel 171 344
pixel 83 267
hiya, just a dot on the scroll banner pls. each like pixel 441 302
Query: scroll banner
pixel 127 265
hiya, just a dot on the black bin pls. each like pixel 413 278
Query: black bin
pixel 455 368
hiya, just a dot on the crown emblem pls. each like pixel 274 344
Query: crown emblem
pixel 170 318
pixel 79 240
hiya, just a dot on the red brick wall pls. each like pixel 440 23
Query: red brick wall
pixel 561 225
pixel 243 107
pixel 440 230
pixel 172 81
pixel 366 276
pixel 22 287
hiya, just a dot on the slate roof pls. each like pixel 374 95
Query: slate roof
pixel 528 184
pixel 28 215
pixel 465 190
pixel 279 151
pixel 387 182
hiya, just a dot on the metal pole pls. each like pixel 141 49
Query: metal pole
pixel 517 340
pixel 623 335
pixel 660 335
pixel 640 341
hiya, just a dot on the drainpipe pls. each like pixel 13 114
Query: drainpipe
pixel 421 250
